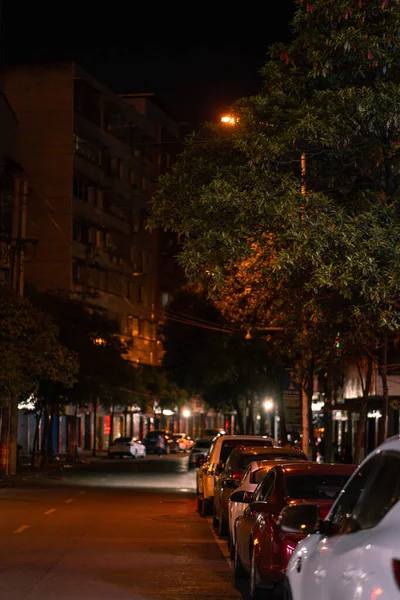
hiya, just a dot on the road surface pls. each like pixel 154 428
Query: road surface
pixel 112 530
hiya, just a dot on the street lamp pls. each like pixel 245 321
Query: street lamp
pixel 186 413
pixel 229 120
pixel 268 405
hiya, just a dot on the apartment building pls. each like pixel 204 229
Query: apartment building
pixel 91 158
pixel 13 202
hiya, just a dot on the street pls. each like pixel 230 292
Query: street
pixel 111 529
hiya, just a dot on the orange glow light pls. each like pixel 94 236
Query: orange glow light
pixel 228 120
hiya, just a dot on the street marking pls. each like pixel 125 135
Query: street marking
pixel 48 512
pixel 69 500
pixel 21 529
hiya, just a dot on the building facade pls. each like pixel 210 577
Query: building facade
pixel 92 162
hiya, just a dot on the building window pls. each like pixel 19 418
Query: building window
pixel 132 177
pixel 86 149
pixel 76 231
pixel 75 272
pixel 135 326
pixel 140 293
pixel 84 234
pixel 81 189
pixel 141 327
pixel 164 299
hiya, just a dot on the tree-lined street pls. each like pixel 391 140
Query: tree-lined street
pixel 111 529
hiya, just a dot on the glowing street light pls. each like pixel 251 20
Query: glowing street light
pixel 229 120
pixel 268 405
pixel 186 413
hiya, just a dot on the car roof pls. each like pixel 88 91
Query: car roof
pixel 244 437
pixel 312 468
pixel 392 443
pixel 273 450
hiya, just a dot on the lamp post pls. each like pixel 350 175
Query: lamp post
pixel 269 406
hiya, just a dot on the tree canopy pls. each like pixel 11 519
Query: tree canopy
pixel 290 217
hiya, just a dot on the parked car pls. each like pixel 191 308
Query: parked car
pixel 262 548
pixel 162 437
pixel 220 450
pixel 256 470
pixel 355 552
pixel 127 446
pixel 183 442
pixel 199 452
pixel 230 477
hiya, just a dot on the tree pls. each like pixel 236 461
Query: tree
pixel 216 362
pixel 105 377
pixel 291 217
pixel 30 351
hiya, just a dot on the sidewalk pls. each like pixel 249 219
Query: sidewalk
pixel 25 472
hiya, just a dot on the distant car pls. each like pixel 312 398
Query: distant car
pixel 127 446
pixel 355 552
pixel 262 548
pixel 183 442
pixel 164 437
pixel 199 452
pixel 220 450
pixel 233 472
pixel 256 470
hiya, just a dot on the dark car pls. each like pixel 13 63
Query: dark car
pixel 262 548
pixel 166 441
pixel 235 466
pixel 199 452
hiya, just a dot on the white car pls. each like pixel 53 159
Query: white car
pixel 218 454
pixel 354 554
pixel 126 446
pixel 251 478
pixel 183 441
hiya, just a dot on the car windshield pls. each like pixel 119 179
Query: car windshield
pixel 315 487
pixel 202 444
pixel 257 475
pixel 229 445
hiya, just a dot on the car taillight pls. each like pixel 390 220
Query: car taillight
pixel 396 570
pixel 237 475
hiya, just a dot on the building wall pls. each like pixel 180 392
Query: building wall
pixel 43 101
pixel 90 162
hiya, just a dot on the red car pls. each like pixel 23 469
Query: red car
pixel 262 549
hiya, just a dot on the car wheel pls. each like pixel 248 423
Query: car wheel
pixel 214 518
pixel 205 507
pixel 222 525
pixel 238 570
pixel 287 592
pixel 255 592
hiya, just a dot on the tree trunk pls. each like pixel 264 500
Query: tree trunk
pixel 13 438
pixel 282 419
pixel 360 443
pixel 4 440
pixel 94 447
pixel 383 433
pixel 239 415
pixel 71 451
pixel 50 450
pixel 45 433
pixel 35 440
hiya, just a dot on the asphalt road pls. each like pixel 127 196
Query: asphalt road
pixel 112 529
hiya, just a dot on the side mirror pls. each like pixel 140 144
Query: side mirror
pixel 219 468
pixel 301 519
pixel 230 483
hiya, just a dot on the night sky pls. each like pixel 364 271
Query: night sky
pixel 197 62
